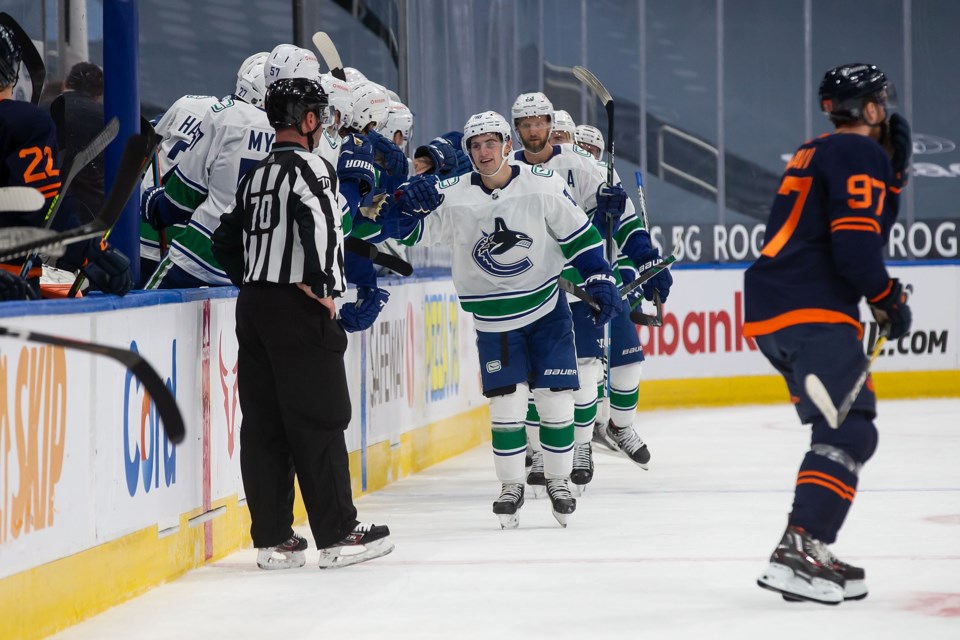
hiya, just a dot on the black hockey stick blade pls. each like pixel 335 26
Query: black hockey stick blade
pixel 32 59
pixel 647 271
pixel 648 320
pixel 162 397
pixel 20 199
pixel 328 51
pixel 578 292
pixel 369 251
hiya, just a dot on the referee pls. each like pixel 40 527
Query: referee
pixel 282 244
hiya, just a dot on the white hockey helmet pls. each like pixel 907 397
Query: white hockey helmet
pixel 486 122
pixel 370 104
pixel 563 121
pixel 585 134
pixel 288 61
pixel 531 104
pixel 399 118
pixel 340 96
pixel 353 75
pixel 250 84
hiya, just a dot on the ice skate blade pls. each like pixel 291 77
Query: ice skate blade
pixel 561 518
pixel 785 582
pixel 333 558
pixel 852 590
pixel 291 560
pixel 509 520
pixel 577 490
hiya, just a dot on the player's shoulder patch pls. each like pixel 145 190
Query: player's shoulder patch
pixel 540 170
pixel 449 182
pixel 580 151
pixel 602 163
pixel 220 105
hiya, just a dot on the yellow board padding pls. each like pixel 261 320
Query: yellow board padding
pixel 737 390
pixel 41 601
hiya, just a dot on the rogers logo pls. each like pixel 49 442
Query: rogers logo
pixel 229 395
pixel 697 332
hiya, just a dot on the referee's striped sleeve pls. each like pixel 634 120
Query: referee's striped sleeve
pixel 317 217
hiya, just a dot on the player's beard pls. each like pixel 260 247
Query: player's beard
pixel 543 145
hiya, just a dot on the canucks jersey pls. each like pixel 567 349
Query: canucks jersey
pixel 233 137
pixel 178 128
pixel 828 226
pixel 510 244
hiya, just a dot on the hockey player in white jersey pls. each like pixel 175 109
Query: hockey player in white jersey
pixel 513 228
pixel 563 128
pixel 590 139
pixel 233 136
pixel 532 117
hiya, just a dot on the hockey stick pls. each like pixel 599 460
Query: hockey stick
pixel 328 51
pixel 32 59
pixel 647 271
pixel 136 156
pixel 638 317
pixel 370 251
pixel 83 157
pixel 162 397
pixel 578 292
pixel 20 199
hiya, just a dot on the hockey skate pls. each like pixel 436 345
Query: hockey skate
pixel 600 436
pixel 507 506
pixel 801 569
pixel 365 542
pixel 288 555
pixel 582 472
pixel 854 579
pixel 535 477
pixel 630 444
pixel 561 501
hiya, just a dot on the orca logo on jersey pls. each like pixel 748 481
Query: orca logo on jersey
pixel 499 243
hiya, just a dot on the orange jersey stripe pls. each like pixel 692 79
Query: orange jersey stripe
pixel 850 491
pixel 35 272
pixel 853 227
pixel 851 220
pixel 882 293
pixel 826 485
pixel 799 316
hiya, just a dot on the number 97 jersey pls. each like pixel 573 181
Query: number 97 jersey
pixel 825 238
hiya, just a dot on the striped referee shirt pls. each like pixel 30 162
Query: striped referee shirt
pixel 285 224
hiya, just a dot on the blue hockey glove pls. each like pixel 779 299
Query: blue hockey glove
pixel 149 209
pixel 602 287
pixel 442 154
pixel 901 142
pixel 360 315
pixel 356 163
pixel 892 310
pixel 13 287
pixel 374 206
pixel 108 270
pixel 463 164
pixel 611 200
pixel 419 197
pixel 393 159
pixel 660 282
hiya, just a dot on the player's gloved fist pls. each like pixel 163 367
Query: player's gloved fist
pixel 371 208
pixel 419 196
pixel 442 154
pixel 108 270
pixel 394 161
pixel 360 315
pixel 611 200
pixel 602 287
pixel 356 162
pixel 660 282
pixel 902 143
pixel 149 211
pixel 463 164
pixel 893 311
pixel 13 287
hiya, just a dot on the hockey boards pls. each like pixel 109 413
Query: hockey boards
pixel 32 59
pixel 328 51
pixel 369 251
pixel 162 397
pixel 20 199
pixel 16 242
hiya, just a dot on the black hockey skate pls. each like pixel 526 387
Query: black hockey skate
pixel 287 555
pixel 801 569
pixel 600 436
pixel 535 477
pixel 630 444
pixel 365 542
pixel 582 472
pixel 854 579
pixel 561 501
pixel 507 506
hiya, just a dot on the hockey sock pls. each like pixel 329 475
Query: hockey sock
pixel 624 392
pixel 509 445
pixel 556 431
pixel 585 400
pixel 532 424
pixel 825 490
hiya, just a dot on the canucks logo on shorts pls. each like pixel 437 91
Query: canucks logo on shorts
pixel 501 244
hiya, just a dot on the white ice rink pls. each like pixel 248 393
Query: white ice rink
pixel 673 552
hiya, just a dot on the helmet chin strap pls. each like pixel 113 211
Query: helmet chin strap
pixel 309 134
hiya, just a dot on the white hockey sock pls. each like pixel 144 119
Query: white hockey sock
pixel 556 431
pixel 624 392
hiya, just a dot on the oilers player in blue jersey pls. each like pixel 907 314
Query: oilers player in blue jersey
pixel 823 253
pixel 28 143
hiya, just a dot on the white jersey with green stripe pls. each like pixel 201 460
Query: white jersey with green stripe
pixel 233 137
pixel 177 128
pixel 510 244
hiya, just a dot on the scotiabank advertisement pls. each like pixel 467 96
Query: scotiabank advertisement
pixel 702 332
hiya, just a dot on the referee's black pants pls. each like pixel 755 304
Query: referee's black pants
pixel 293 394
